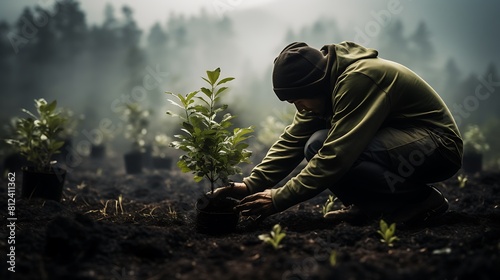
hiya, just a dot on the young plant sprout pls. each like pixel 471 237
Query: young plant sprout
pixel 330 202
pixel 474 140
pixel 388 233
pixel 275 236
pixel 72 121
pixel 37 136
pixel 137 125
pixel 333 258
pixel 462 180
pixel 212 150
pixel 161 143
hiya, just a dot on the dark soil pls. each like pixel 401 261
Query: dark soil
pixel 149 234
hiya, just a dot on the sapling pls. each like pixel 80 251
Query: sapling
pixel 70 129
pixel 274 237
pixel 137 125
pixel 387 232
pixel 462 180
pixel 474 140
pixel 37 137
pixel 330 202
pixel 212 150
pixel 333 258
pixel 161 143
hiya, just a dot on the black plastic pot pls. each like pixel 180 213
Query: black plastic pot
pixel 162 162
pixel 46 185
pixel 216 215
pixel 133 162
pixel 98 151
pixel 147 157
pixel 472 162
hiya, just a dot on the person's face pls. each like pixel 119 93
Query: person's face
pixel 316 105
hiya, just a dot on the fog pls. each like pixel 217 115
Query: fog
pixel 94 56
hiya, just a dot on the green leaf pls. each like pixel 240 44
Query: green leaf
pixel 207 92
pixel 220 90
pixel 51 107
pixel 213 76
pixel 225 80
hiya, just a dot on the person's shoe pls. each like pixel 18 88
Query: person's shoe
pixel 434 205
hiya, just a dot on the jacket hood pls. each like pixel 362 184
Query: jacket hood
pixel 341 55
pixel 301 71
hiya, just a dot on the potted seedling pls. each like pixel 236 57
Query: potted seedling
pixel 37 139
pixel 474 147
pixel 160 152
pixel 98 147
pixel 212 150
pixel 136 130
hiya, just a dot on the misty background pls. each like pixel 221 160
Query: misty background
pixel 96 56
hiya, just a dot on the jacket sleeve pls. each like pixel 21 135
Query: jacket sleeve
pixel 359 109
pixel 285 154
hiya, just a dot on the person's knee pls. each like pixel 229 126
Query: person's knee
pixel 315 143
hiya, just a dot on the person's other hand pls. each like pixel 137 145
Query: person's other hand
pixel 236 190
pixel 259 204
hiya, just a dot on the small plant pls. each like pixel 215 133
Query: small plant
pixel 330 202
pixel 161 143
pixel 37 137
pixel 333 258
pixel 212 150
pixel 388 233
pixel 70 129
pixel 275 236
pixel 474 140
pixel 137 125
pixel 462 180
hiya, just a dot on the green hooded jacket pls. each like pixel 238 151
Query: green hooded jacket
pixel 367 93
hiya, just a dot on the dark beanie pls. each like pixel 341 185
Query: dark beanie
pixel 299 72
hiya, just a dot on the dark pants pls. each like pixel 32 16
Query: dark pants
pixel 394 169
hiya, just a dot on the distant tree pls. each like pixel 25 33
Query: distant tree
pixel 465 106
pixel 421 44
pixel 392 43
pixel 490 92
pixel 129 32
pixel 449 81
pixel 157 37
pixel 5 46
pixel 322 32
pixel 70 27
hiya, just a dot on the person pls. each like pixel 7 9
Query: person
pixel 372 131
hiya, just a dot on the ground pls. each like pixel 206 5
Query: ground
pixel 110 225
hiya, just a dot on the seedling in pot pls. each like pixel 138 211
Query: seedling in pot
pixel 137 128
pixel 161 144
pixel 137 125
pixel 38 136
pixel 475 146
pixel 37 139
pixel 274 237
pixel 387 233
pixel 212 150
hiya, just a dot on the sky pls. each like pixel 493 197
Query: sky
pixel 465 30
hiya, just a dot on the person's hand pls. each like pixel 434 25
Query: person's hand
pixel 259 204
pixel 236 190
